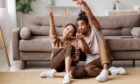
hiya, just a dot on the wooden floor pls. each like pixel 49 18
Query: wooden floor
pixel 132 77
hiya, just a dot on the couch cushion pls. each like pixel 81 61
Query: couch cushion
pixel 39 56
pixel 118 25
pixel 116 22
pixel 112 32
pixel 35 43
pixel 123 43
pixel 40 25
pixel 126 31
pixel 111 25
pixel 117 31
pixel 126 55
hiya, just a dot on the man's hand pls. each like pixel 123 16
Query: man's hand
pixel 78 1
pixel 79 36
pixel 50 13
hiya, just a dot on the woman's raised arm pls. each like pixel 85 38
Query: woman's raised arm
pixel 52 32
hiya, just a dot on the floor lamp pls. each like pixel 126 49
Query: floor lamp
pixel 2 40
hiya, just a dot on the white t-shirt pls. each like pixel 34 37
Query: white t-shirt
pixel 93 45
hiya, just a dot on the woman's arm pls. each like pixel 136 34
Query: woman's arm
pixel 52 32
pixel 91 17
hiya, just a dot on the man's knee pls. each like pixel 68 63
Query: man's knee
pixel 79 72
pixel 92 71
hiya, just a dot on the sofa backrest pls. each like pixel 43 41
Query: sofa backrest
pixel 119 25
pixel 39 25
pixel 111 25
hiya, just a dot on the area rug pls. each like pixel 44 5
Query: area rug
pixel 132 77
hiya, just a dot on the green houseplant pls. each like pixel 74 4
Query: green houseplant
pixel 24 6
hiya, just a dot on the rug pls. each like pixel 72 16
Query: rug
pixel 132 77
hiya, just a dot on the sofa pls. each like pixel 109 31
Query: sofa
pixel 37 47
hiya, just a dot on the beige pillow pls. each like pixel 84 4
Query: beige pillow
pixel 25 33
pixel 136 32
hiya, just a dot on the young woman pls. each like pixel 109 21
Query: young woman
pixel 68 51
pixel 99 61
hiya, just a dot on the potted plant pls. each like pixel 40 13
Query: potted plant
pixel 24 6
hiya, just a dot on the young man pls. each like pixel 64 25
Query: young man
pixel 99 61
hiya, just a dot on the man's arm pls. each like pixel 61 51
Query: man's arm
pixel 90 15
pixel 84 46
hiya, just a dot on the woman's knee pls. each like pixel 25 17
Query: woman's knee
pixel 69 50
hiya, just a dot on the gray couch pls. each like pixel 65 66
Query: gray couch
pixel 116 29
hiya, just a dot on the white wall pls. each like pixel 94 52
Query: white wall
pixel 39 7
pixel 64 3
pixel 8 19
pixel 11 9
pixel 99 7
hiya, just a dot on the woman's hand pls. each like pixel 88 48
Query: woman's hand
pixel 78 1
pixel 50 13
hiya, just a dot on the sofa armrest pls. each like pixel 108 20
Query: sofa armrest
pixel 15 43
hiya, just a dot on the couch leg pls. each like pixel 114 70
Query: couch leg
pixel 133 63
pixel 24 64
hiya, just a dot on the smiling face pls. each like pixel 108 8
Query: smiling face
pixel 82 26
pixel 69 31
